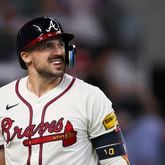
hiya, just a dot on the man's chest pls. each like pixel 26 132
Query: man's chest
pixel 40 123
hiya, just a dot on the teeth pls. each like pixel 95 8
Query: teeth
pixel 56 61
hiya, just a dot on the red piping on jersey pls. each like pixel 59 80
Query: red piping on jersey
pixel 45 108
pixel 30 117
pixel 54 99
pixel 42 117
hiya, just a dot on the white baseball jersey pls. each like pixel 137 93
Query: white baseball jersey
pixel 56 128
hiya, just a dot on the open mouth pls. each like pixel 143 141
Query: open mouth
pixel 56 60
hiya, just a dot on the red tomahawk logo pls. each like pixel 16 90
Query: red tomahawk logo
pixel 68 137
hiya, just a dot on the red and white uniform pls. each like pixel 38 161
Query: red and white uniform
pixel 55 128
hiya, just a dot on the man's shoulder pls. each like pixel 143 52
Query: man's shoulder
pixel 7 90
pixel 8 85
pixel 12 84
pixel 82 85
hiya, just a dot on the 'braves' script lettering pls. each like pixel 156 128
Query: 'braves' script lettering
pixel 31 130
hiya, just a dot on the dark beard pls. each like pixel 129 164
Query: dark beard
pixel 48 74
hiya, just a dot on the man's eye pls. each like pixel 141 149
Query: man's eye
pixel 62 44
pixel 47 46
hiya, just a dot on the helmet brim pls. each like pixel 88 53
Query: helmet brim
pixel 66 36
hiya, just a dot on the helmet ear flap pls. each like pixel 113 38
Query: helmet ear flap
pixel 70 55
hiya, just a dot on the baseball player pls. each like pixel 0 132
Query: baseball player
pixel 50 117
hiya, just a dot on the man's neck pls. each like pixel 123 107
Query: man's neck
pixel 40 86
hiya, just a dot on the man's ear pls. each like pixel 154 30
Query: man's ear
pixel 25 56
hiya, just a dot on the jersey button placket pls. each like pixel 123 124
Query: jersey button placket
pixel 37 112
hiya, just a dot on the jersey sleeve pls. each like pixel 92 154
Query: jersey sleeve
pixel 101 116
pixel 104 131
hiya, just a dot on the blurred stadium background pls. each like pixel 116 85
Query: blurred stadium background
pixel 120 48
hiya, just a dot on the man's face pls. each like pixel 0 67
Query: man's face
pixel 48 58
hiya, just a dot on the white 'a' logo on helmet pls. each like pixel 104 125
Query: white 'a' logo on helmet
pixel 52 25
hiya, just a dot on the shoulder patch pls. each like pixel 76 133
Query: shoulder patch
pixel 110 121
